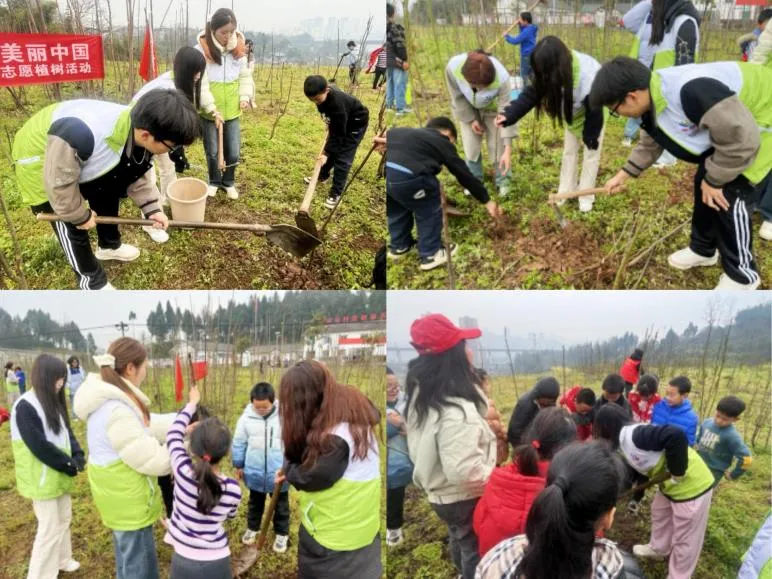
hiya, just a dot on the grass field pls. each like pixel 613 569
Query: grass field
pixel 737 511
pixel 270 180
pixel 92 542
pixel 529 250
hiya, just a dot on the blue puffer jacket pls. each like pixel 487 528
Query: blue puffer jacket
pixel 257 448
pixel 681 416
pixel 399 469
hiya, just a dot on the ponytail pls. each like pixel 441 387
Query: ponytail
pixel 209 488
pixel 583 484
pixel 550 431
pixel 209 443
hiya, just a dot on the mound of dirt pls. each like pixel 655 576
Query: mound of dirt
pixel 570 252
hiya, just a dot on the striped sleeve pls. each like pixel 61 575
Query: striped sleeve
pixel 175 439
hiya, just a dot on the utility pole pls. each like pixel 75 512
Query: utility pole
pixel 122 327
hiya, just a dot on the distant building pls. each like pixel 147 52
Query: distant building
pixel 349 338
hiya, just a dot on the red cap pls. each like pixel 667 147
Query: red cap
pixel 435 333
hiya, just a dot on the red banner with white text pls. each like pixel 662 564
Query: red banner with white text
pixel 49 58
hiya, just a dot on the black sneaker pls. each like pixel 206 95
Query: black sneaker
pixel 331 201
pixel 396 253
pixel 438 259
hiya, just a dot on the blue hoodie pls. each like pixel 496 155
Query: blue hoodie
pixel 681 416
pixel 526 39
pixel 257 448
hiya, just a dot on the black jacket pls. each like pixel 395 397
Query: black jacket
pixel 396 45
pixel 527 101
pixel 34 436
pixel 425 151
pixel 526 408
pixel 345 115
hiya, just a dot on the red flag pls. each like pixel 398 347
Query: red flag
pixel 179 383
pixel 199 371
pixel 148 64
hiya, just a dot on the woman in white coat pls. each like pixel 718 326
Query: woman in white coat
pixel 127 453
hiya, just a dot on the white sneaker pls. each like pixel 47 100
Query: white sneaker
pixel 248 538
pixel 467 192
pixel 765 232
pixel 331 202
pixel 107 287
pixel 646 552
pixel 585 204
pixel 125 252
pixel 438 259
pixel 394 537
pixel 686 259
pixel 280 543
pixel 212 190
pixel 728 284
pixel 627 142
pixel 157 235
pixel 71 566
pixel 231 192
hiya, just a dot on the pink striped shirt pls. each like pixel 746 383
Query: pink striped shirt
pixel 193 534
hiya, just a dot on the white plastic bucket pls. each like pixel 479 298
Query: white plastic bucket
pixel 187 197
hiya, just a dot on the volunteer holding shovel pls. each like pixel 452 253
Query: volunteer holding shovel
pixel 560 88
pixel 226 90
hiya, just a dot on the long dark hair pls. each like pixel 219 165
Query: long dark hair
pixel 550 431
pixel 583 484
pixel 312 404
pixel 609 422
pixel 187 62
pixel 222 17
pixel 126 351
pixel 433 378
pixel 47 370
pixel 209 443
pixel 553 79
pixel 657 22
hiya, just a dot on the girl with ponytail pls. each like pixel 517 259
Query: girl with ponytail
pixel 583 485
pixel 507 497
pixel 195 530
pixel 127 454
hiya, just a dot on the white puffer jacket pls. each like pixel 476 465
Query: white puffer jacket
pixel 116 430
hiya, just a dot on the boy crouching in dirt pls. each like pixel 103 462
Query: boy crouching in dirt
pixel 415 158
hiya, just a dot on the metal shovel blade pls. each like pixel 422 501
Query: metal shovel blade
pixel 292 239
pixel 306 223
pixel 559 215
pixel 244 561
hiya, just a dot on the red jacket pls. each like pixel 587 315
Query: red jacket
pixel 631 370
pixel 642 408
pixel 504 505
pixel 583 431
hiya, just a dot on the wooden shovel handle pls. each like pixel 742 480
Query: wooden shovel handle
pixel 220 152
pixel 529 9
pixel 253 227
pixel 268 517
pixel 321 159
pixel 574 194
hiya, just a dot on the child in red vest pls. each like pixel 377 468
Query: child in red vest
pixel 503 508
pixel 579 402
pixel 631 370
pixel 643 399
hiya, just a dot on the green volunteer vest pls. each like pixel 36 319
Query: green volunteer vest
pixel 697 480
pixel 752 86
pixel 126 499
pixel 29 150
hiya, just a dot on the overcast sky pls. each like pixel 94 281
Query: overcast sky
pixel 569 316
pixel 93 309
pixel 283 16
